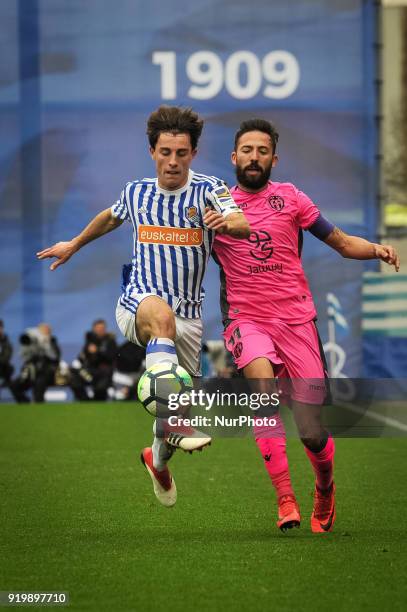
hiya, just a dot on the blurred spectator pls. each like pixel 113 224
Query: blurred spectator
pixel 207 367
pixel 6 351
pixel 93 369
pixel 40 354
pixel 130 364
pixel 230 370
pixel 222 362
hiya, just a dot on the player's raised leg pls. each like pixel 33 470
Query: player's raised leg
pixel 155 326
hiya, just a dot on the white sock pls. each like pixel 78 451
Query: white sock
pixel 160 349
pixel 162 452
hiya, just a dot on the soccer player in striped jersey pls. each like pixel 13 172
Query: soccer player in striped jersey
pixel 276 335
pixel 174 218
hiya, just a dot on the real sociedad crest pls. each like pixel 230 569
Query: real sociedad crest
pixel 192 214
pixel 276 202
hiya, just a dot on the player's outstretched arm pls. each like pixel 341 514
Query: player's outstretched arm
pixel 354 247
pixel 103 223
pixel 235 224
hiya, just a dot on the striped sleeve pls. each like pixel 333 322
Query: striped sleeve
pixel 221 199
pixel 120 209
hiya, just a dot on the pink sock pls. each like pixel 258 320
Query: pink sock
pixel 273 450
pixel 323 463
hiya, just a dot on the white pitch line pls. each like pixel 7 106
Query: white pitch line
pixel 377 417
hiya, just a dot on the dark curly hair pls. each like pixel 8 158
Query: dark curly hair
pixel 176 120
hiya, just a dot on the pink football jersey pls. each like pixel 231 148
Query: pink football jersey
pixel 262 276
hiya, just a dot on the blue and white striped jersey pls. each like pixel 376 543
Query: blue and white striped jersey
pixel 171 244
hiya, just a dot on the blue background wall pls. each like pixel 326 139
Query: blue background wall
pixel 77 83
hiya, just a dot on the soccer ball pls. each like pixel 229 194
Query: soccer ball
pixel 158 382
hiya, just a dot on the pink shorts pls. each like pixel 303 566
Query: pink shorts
pixel 294 350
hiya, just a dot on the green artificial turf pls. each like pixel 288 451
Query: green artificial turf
pixel 78 514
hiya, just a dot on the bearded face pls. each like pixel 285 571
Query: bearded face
pixel 253 176
pixel 254 158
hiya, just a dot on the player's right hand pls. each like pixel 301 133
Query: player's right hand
pixel 388 254
pixel 62 251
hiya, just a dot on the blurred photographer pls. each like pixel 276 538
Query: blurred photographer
pixel 40 354
pixel 93 369
pixel 130 364
pixel 6 351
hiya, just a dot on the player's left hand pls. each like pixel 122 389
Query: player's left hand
pixel 214 220
pixel 388 254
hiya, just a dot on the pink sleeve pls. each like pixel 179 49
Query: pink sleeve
pixel 308 213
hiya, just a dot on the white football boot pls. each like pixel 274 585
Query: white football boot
pixel 163 483
pixel 187 438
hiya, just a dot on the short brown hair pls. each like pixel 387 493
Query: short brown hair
pixel 175 120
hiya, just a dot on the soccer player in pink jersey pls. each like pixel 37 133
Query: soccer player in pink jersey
pixel 269 314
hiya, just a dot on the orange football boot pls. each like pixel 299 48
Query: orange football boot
pixel 323 515
pixel 288 513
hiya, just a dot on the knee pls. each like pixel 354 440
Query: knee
pixel 317 443
pixel 155 319
pixel 164 325
pixel 309 427
pixel 311 431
